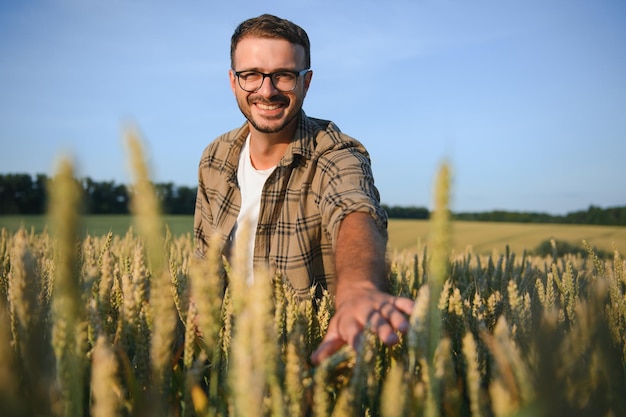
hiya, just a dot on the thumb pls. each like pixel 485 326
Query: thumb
pixel 330 344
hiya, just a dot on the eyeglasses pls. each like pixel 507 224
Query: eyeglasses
pixel 283 81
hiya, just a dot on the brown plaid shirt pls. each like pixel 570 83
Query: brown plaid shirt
pixel 323 176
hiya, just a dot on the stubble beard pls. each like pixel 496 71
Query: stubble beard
pixel 267 127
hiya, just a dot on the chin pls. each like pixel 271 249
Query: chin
pixel 269 127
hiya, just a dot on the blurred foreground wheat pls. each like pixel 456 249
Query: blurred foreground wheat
pixel 134 326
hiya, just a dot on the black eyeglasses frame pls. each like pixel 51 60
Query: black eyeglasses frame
pixel 270 76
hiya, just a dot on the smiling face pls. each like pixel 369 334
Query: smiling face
pixel 268 110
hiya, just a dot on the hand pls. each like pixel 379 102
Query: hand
pixel 384 313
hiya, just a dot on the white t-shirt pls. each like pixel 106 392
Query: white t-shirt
pixel 251 182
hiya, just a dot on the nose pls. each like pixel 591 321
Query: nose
pixel 267 88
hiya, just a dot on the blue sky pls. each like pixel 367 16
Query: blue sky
pixel 525 99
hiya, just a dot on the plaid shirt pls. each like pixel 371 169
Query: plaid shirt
pixel 323 176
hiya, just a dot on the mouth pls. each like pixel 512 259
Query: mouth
pixel 269 107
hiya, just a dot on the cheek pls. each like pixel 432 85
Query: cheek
pixel 243 104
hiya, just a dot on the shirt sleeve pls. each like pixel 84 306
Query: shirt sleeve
pixel 202 215
pixel 347 186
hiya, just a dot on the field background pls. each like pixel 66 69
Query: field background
pixel 404 235
pixel 485 237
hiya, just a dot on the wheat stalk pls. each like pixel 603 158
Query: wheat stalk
pixel 69 326
pixel 146 211
pixel 105 387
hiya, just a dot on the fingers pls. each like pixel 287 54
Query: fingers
pixel 395 316
pixel 331 344
pixel 403 304
pixel 386 316
pixel 381 326
pixel 390 318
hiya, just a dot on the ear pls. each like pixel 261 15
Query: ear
pixel 233 80
pixel 307 81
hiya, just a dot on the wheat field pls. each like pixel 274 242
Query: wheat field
pixel 132 325
pixel 484 237
pixel 481 238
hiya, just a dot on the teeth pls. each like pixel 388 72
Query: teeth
pixel 268 107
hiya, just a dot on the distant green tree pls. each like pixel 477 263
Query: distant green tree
pixel 508 216
pixel 411 212
pixel 176 200
pixel 166 194
pixel 185 200
pixel 105 197
pixel 20 194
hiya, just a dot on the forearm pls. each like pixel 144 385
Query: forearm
pixel 359 256
pixel 361 297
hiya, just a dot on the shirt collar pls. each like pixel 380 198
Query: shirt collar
pixel 303 142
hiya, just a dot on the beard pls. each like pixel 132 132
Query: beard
pixel 269 125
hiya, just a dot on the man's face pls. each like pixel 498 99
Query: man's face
pixel 269 110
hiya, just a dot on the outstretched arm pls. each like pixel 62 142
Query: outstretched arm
pixel 361 282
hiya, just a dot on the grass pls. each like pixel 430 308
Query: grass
pixel 96 225
pixel 404 235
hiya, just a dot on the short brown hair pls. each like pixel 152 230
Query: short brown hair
pixel 269 26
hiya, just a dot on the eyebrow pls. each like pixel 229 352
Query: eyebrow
pixel 263 72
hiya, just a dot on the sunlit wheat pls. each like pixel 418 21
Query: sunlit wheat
pixel 136 325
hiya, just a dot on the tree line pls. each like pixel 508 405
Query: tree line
pixel 612 216
pixel 24 194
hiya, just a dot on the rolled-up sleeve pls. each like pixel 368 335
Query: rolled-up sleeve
pixel 347 186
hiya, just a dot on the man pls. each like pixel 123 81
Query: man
pixel 305 189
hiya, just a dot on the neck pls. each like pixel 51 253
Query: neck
pixel 267 149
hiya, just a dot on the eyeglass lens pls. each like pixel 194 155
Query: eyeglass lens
pixel 252 81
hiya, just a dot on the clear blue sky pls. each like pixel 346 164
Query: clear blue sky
pixel 526 99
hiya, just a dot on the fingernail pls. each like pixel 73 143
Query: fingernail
pixel 392 339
